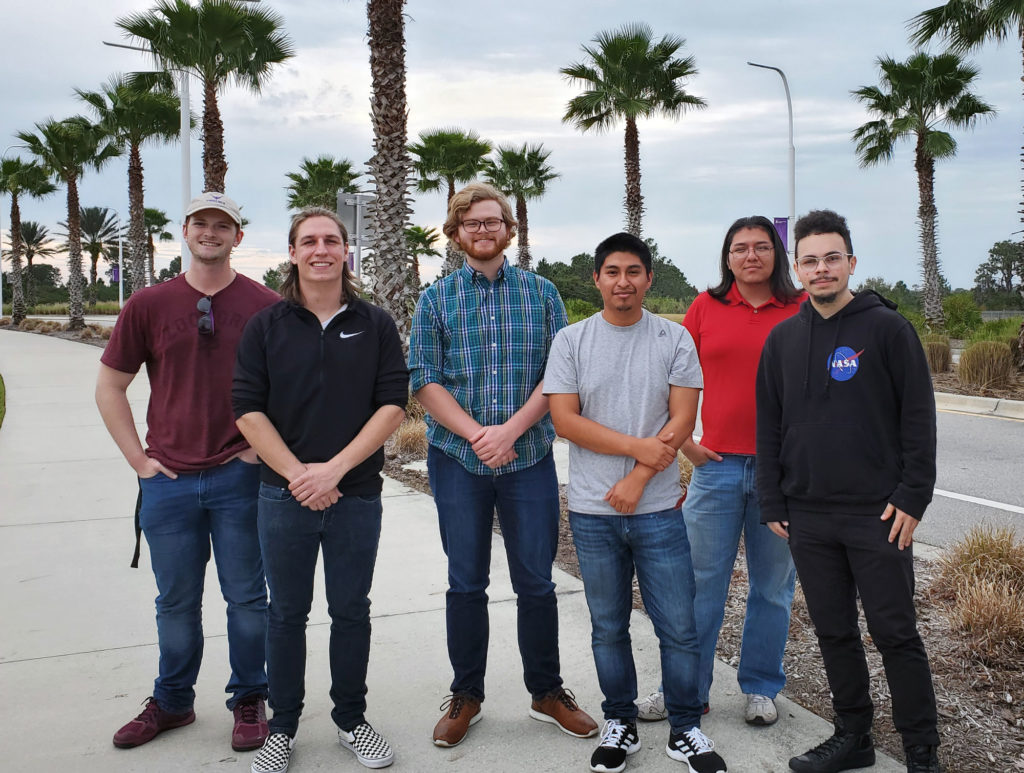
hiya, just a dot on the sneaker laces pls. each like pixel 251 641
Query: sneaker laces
pixel 150 713
pixel 612 732
pixel 453 704
pixel 699 742
pixel 566 698
pixel 828 747
pixel 249 711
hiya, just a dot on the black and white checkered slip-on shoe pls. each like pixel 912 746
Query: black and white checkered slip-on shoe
pixel 370 747
pixel 696 750
pixel 275 754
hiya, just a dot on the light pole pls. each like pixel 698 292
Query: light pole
pixel 792 158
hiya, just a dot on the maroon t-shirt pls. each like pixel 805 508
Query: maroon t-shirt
pixel 191 424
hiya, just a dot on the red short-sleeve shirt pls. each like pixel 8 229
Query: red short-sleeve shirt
pixel 729 336
pixel 190 422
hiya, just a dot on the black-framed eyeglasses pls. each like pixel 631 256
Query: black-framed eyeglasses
pixel 490 225
pixel 205 321
pixel 831 260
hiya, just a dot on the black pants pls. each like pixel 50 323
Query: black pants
pixel 837 556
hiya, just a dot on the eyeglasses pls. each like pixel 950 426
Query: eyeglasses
pixel 205 321
pixel 831 260
pixel 490 225
pixel 761 250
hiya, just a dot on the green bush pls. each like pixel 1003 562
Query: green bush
pixel 986 364
pixel 578 309
pixel 962 315
pixel 916 318
pixel 662 305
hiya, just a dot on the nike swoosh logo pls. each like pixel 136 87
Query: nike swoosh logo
pixel 350 335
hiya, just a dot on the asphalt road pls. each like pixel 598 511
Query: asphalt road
pixel 981 457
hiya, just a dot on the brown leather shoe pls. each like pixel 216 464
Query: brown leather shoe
pixel 559 708
pixel 460 711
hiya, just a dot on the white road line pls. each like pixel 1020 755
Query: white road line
pixel 980 501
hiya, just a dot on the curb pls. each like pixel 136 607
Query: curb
pixel 981 406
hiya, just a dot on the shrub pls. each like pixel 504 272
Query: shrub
pixel 578 309
pixel 962 315
pixel 1005 330
pixel 916 319
pixel 414 409
pixel 939 355
pixel 987 364
pixel 657 305
pixel 410 439
pixel 985 552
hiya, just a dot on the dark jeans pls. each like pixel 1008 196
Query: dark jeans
pixel 527 505
pixel 181 518
pixel 838 556
pixel 654 545
pixel 291 537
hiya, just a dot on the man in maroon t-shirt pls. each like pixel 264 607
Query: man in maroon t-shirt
pixel 198 476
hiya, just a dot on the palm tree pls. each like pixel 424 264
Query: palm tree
pixel 317 182
pixel 155 220
pixel 391 281
pixel 967 25
pixel 99 237
pixel 134 115
pixel 217 41
pixel 448 156
pixel 420 242
pixel 66 148
pixel 35 240
pixel 20 178
pixel 522 173
pixel 914 99
pixel 629 75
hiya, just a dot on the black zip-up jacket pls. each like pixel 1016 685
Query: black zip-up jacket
pixel 319 387
pixel 845 414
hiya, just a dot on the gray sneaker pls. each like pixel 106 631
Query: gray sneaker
pixel 652 708
pixel 760 710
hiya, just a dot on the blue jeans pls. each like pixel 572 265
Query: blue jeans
pixel 654 545
pixel 292 536
pixel 180 519
pixel 527 505
pixel 720 505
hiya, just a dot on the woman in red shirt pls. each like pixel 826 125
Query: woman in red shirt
pixel 729 324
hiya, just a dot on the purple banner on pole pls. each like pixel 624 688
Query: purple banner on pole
pixel 115 273
pixel 782 227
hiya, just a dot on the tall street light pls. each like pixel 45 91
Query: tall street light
pixel 792 158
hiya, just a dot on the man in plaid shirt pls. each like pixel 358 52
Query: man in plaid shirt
pixel 479 345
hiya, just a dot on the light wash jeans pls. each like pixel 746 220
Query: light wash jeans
pixel 721 504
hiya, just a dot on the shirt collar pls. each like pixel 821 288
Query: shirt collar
pixel 734 297
pixel 470 274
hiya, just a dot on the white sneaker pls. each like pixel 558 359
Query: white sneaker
pixel 761 710
pixel 652 708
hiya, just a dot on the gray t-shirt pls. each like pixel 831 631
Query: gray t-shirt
pixel 622 376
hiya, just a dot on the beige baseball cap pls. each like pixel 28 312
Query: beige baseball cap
pixel 214 200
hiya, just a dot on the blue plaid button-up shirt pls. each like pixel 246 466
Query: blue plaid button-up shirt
pixel 486 343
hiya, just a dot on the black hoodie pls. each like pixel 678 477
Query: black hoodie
pixel 845 413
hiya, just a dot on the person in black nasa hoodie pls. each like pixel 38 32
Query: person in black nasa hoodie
pixel 320 383
pixel 845 470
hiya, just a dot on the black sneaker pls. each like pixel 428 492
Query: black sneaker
pixel 696 750
pixel 843 751
pixel 618 740
pixel 923 759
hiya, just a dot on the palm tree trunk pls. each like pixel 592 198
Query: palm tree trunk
pixel 1020 334
pixel 30 285
pixel 927 216
pixel 523 234
pixel 94 259
pixel 634 199
pixel 137 247
pixel 452 254
pixel 76 314
pixel 391 281
pixel 18 309
pixel 215 166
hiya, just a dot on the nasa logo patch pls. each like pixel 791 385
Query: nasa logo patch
pixel 843 363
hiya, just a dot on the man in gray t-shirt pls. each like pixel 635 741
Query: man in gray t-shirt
pixel 623 388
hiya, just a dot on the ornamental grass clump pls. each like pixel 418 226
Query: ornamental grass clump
pixel 982 579
pixel 410 439
pixel 938 353
pixel 986 364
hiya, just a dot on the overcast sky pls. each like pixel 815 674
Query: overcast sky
pixel 493 68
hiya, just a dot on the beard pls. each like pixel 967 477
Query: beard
pixel 484 253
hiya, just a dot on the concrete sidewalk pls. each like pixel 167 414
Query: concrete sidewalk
pixel 78 640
